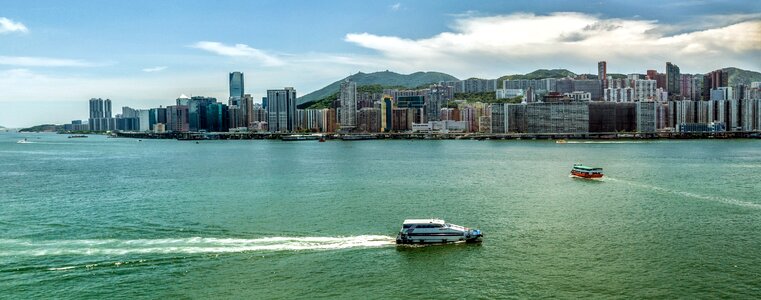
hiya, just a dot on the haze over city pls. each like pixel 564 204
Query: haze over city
pixel 55 56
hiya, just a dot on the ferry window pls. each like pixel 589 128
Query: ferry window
pixel 406 226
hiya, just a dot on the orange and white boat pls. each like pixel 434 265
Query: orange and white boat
pixel 582 171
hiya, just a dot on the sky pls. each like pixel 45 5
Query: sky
pixel 55 55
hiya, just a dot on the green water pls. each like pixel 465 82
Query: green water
pixel 101 218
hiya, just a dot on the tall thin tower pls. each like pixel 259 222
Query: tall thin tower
pixel 602 73
pixel 236 85
pixel 348 97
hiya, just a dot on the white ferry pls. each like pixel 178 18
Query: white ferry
pixel 428 231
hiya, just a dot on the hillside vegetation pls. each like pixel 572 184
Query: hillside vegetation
pixel 385 79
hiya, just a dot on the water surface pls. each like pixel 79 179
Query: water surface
pixel 100 217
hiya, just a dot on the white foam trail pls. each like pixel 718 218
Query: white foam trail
pixel 186 245
pixel 690 195
pixel 61 268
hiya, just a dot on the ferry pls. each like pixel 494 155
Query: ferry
pixel 431 231
pixel 582 171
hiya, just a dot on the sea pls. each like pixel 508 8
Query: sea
pixel 106 218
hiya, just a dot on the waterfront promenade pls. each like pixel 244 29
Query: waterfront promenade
pixel 443 136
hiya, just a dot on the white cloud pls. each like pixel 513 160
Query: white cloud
pixel 240 51
pixel 497 45
pixel 396 6
pixel 29 61
pixel 155 69
pixel 7 26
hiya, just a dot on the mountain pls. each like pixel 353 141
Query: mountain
pixel 385 78
pixel 538 74
pixel 43 128
pixel 740 76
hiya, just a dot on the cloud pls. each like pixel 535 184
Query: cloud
pixel 239 51
pixel 29 61
pixel 396 6
pixel 155 69
pixel 524 42
pixel 8 26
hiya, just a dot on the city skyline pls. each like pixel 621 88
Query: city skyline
pixel 145 59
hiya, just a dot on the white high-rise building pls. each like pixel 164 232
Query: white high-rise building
pixel 619 94
pixel 348 99
pixel 645 90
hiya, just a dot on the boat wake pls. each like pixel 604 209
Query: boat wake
pixel 726 200
pixel 13 247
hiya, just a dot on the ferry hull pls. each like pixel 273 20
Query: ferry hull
pixel 586 175
pixel 404 239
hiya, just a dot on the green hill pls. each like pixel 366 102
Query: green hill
pixel 740 76
pixel 385 78
pixel 538 74
pixel 326 102
pixel 43 128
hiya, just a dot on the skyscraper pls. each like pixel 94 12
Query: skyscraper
pixel 236 85
pixel 96 108
pixel 348 98
pixel 100 115
pixel 386 113
pixel 281 110
pixel 107 108
pixel 672 80
pixel 197 112
pixel 602 73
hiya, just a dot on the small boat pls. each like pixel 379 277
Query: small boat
pixel 582 171
pixel 561 141
pixel 77 136
pixel 432 231
pixel 24 141
pixel 322 139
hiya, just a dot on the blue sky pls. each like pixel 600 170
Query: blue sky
pixel 54 55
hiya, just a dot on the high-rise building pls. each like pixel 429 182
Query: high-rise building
pixel 402 119
pixel 348 98
pixel 476 85
pixel 107 108
pixel 590 86
pixel 100 115
pixel 646 116
pixel 368 120
pixel 387 116
pixel 217 119
pixel 236 85
pixel 438 96
pixel 177 118
pixel 672 80
pixel 281 110
pixel 651 74
pixel 602 73
pixel 416 103
pixel 645 90
pixel 96 108
pixel 197 112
